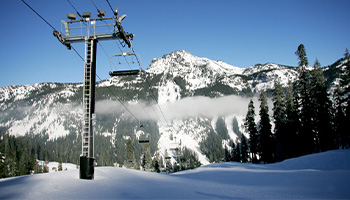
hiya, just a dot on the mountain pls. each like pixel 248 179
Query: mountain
pixel 181 100
pixel 318 176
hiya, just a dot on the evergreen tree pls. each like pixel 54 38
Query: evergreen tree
pixel 343 104
pixel 3 163
pixel 317 64
pixel 303 103
pixel 227 156
pixel 236 152
pixel 321 106
pixel 244 149
pixel 129 157
pixel 156 163
pixel 266 138
pixel 345 78
pixel 146 158
pixel 292 124
pixel 252 131
pixel 301 53
pixel 339 120
pixel 280 118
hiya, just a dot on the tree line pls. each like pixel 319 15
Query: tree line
pixel 307 118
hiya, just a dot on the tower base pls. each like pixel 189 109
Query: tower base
pixel 86 168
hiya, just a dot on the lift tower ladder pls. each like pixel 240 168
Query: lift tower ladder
pixel 89 98
pixel 90 31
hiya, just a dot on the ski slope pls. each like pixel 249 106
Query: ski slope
pixel 318 176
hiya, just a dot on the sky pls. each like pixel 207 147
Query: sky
pixel 240 33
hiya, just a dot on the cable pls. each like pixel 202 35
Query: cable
pixel 39 15
pixel 98 11
pixel 75 9
pixel 154 97
pixel 110 6
pixel 78 53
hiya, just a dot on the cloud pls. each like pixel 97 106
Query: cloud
pixel 207 107
pixel 185 108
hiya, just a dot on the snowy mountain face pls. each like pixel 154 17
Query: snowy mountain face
pixel 180 98
pixel 187 75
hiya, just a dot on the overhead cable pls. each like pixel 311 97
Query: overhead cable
pixel 39 15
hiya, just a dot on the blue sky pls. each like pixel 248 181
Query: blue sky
pixel 241 33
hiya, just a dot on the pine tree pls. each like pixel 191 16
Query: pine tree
pixel 279 115
pixel 244 149
pixel 156 163
pixel 301 53
pixel 130 157
pixel 266 138
pixel 343 105
pixel 292 123
pixel 252 131
pixel 317 64
pixel 321 106
pixel 345 78
pixel 146 158
pixel 339 119
pixel 303 103
pixel 236 152
pixel 3 162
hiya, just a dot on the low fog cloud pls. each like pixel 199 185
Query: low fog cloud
pixel 181 109
pixel 206 107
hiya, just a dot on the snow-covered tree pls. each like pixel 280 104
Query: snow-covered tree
pixel 129 161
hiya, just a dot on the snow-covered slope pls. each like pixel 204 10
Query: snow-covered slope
pixel 318 176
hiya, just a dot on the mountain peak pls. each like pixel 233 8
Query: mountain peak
pixel 183 61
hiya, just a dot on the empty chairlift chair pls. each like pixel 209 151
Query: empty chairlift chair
pixel 126 65
pixel 144 139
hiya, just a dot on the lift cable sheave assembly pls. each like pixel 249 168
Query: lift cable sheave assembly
pixel 90 31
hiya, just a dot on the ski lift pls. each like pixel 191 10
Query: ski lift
pixel 128 60
pixel 144 140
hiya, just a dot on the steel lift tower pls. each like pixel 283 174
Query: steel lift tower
pixel 90 31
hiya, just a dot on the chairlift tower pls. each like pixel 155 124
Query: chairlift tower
pixel 90 31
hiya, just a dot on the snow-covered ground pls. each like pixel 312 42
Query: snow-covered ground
pixel 318 176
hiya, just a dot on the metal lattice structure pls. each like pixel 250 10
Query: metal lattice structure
pixel 90 31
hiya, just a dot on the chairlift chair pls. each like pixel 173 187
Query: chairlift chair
pixel 144 140
pixel 133 70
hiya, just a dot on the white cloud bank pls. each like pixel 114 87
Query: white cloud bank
pixel 185 108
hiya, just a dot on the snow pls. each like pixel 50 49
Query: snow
pixel 181 133
pixel 318 176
